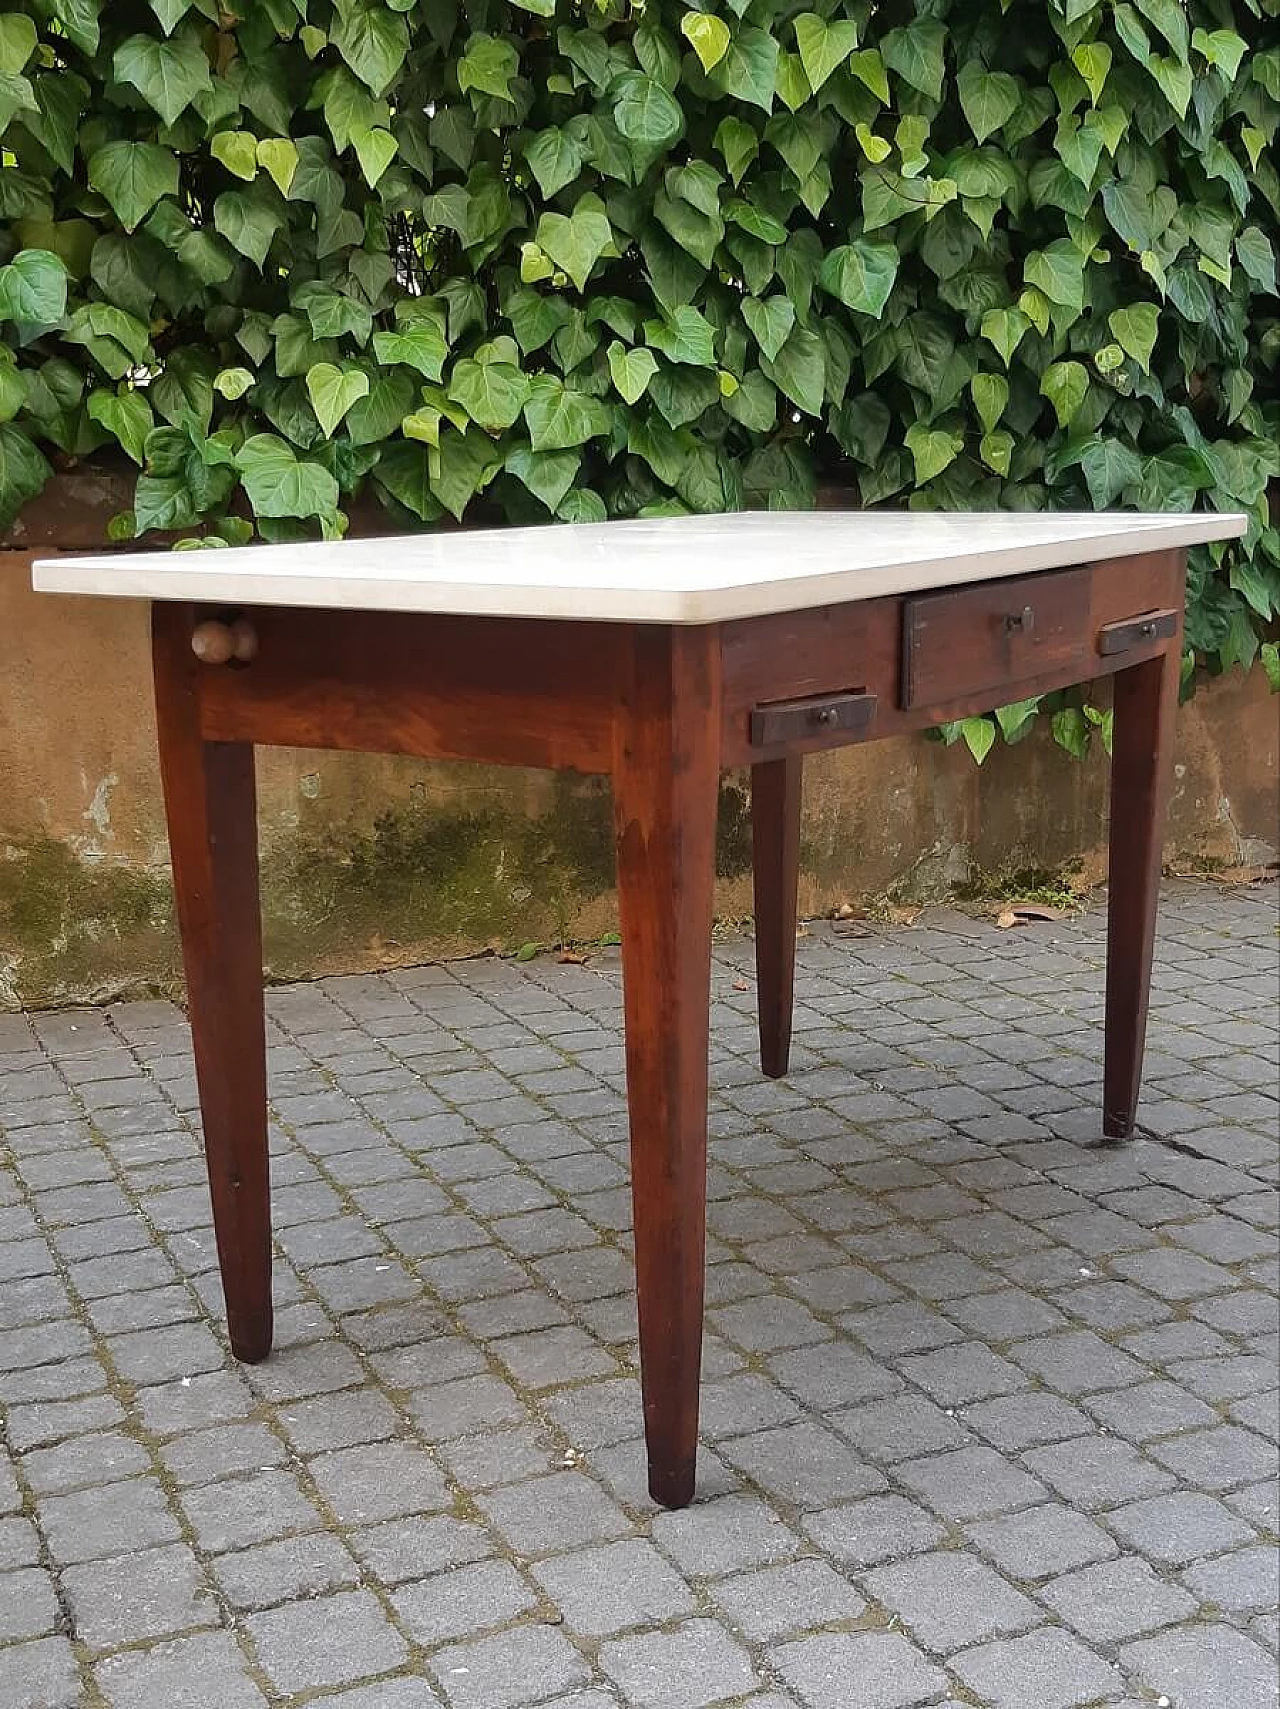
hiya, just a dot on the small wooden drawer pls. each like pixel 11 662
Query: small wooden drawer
pixel 993 636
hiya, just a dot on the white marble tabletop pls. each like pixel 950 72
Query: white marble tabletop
pixel 696 569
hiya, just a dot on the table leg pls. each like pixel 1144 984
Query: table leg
pixel 775 838
pixel 665 788
pixel 210 806
pixel 1146 698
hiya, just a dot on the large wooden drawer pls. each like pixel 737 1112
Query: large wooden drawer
pixel 995 635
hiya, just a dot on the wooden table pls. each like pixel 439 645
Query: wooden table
pixel 660 652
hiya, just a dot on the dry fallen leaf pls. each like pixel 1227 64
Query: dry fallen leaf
pixel 572 956
pixel 1006 918
pixel 904 916
pixel 741 985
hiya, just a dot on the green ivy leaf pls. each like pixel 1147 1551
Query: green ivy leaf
pixel 167 74
pixel 1066 385
pixel 1071 731
pixel 333 391
pixel 1004 328
pixel 630 371
pixel 932 450
pixel 707 35
pixel 23 471
pixel 1058 271
pixel 233 383
pixel 492 393
pixel 646 114
pixel 1256 256
pixel 1093 61
pixel 278 484
pixel 488 66
pixel 560 418
pixel 823 46
pixel 988 99
pixel 248 221
pixel 575 242
pixel 861 274
pixel 33 288
pixel 403 470
pixel 238 152
pixel 1134 330
pixel 770 322
pixel 996 450
pixel 916 53
pixel 800 370
pixel 375 150
pixel 133 176
pixel 979 736
pixel 749 69
pixel 372 40
pixel 684 335
pixel 548 475
pixel 127 416
pixel 990 397
pixel 279 157
pixel 555 158
pixel 1270 656
pixel 17 42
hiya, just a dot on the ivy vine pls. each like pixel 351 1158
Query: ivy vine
pixel 590 258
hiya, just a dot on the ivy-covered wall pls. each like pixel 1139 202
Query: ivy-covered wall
pixel 588 258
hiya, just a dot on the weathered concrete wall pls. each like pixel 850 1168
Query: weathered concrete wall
pixel 369 861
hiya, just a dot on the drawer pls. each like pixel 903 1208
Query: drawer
pixel 994 635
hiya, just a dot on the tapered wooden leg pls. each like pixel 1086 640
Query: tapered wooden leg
pixel 210 805
pixel 665 784
pixel 775 841
pixel 1146 698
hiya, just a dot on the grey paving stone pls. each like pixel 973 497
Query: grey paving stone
pixel 605 1590
pixel 970 1483
pixel 183 1673
pixel 270 1573
pixel 557 1512
pixel 1042 1540
pixel 1178 1528
pixel 28 1605
pixel 1239 1583
pixel 386 1694
pixel 1096 1472
pixel 237 1512
pixel 776 1602
pixel 383 1480
pixel 110 1520
pixel 949 1599
pixel 509 1670
pixel 42 1675
pixel 147 1594
pixel 1117 1599
pixel 724 1535
pixel 1049 1668
pixel 469 1599
pixel 693 1667
pixel 882 1528
pixel 331 1640
pixel 1204 1667
pixel 803 1465
pixel 864 1670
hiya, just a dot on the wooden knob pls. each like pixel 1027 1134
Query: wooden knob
pixel 215 643
pixel 244 639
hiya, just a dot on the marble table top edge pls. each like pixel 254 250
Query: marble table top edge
pixel 686 570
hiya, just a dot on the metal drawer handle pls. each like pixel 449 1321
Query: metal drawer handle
pixel 1023 621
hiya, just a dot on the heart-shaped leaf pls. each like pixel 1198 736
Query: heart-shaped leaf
pixel 575 242
pixel 333 391
pixel 631 370
pixel 707 35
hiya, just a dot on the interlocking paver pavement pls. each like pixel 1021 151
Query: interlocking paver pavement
pixel 990 1414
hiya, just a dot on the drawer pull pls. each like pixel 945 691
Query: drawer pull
pixel 809 720
pixel 1134 631
pixel 1023 622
